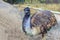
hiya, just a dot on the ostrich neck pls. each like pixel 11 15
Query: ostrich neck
pixel 29 30
pixel 27 16
pixel 27 24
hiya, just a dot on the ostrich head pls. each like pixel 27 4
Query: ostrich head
pixel 27 11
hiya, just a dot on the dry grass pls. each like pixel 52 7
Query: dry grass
pixel 55 7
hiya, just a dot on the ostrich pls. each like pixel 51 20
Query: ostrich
pixel 39 23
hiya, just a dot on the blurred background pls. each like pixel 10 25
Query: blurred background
pixel 44 4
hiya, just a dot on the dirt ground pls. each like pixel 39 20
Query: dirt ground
pixel 11 25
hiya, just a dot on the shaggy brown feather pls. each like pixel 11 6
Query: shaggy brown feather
pixel 43 20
